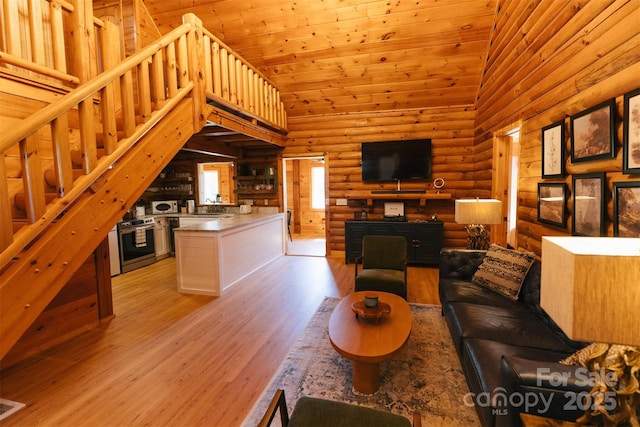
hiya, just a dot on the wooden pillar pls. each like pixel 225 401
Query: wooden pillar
pixel 82 35
pixel 196 69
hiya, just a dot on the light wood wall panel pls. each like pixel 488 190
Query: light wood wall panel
pixel 340 136
pixel 548 61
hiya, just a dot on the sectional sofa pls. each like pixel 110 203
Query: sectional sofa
pixel 508 346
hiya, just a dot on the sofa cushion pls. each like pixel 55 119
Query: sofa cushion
pixel 454 290
pixel 521 328
pixel 459 263
pixel 503 270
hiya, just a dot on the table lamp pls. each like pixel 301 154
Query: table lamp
pixel 590 286
pixel 476 213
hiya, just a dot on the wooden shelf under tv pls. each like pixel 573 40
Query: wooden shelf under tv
pixel 422 197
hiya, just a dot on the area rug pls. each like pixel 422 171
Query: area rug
pixel 425 376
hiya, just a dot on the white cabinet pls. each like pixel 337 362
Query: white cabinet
pixel 161 237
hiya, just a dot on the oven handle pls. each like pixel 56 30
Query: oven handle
pixel 133 229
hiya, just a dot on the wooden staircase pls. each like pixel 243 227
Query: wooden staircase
pixel 110 137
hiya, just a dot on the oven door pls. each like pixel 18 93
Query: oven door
pixel 136 251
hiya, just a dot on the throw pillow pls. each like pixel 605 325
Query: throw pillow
pixel 503 270
pixel 580 357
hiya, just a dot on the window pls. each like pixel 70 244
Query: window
pixel 213 180
pixel 317 187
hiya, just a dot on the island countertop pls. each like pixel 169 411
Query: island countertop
pixel 224 222
pixel 215 254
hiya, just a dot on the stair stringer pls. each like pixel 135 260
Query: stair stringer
pixel 34 277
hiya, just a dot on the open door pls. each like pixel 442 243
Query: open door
pixel 305 181
pixel 504 184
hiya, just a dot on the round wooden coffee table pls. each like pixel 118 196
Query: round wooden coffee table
pixel 368 343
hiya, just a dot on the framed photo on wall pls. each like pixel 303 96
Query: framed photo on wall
pixel 589 204
pixel 631 133
pixel 553 150
pixel 593 133
pixel 552 203
pixel 626 209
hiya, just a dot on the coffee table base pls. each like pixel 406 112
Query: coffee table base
pixel 366 377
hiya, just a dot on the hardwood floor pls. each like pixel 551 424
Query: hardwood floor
pixel 182 360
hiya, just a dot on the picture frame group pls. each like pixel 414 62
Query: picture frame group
pixel 592 138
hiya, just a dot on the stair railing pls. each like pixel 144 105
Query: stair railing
pixel 162 78
pixel 131 96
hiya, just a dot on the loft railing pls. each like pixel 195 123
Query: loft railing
pixel 233 82
pixel 50 40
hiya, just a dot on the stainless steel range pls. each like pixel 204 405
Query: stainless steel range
pixel 137 247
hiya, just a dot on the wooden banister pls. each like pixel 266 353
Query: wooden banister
pixel 188 61
pixel 69 101
pixel 40 214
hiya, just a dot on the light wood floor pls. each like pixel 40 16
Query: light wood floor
pixel 182 360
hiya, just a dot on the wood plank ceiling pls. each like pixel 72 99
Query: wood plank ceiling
pixel 342 56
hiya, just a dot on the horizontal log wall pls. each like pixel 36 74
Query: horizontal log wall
pixel 548 61
pixel 341 136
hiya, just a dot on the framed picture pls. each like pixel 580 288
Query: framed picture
pixel 631 133
pixel 626 209
pixel 593 133
pixel 588 204
pixel 552 203
pixel 553 150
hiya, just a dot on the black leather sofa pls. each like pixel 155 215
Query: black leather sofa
pixel 509 349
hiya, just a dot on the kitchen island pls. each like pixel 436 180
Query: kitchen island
pixel 214 255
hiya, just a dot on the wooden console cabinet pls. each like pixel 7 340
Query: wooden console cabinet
pixel 424 239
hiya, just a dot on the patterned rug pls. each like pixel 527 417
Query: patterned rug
pixel 425 376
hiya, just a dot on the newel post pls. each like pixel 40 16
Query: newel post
pixel 195 49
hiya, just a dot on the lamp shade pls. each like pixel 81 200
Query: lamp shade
pixel 590 286
pixel 478 211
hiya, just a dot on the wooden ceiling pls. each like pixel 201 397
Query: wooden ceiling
pixel 342 56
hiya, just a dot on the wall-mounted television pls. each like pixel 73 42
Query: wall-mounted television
pixel 396 160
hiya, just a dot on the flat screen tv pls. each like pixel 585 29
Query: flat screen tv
pixel 396 160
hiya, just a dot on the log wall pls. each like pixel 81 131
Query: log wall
pixel 340 138
pixel 547 62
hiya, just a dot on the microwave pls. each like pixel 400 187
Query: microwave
pixel 164 206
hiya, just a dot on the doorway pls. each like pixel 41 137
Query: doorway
pixel 504 187
pixel 305 181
